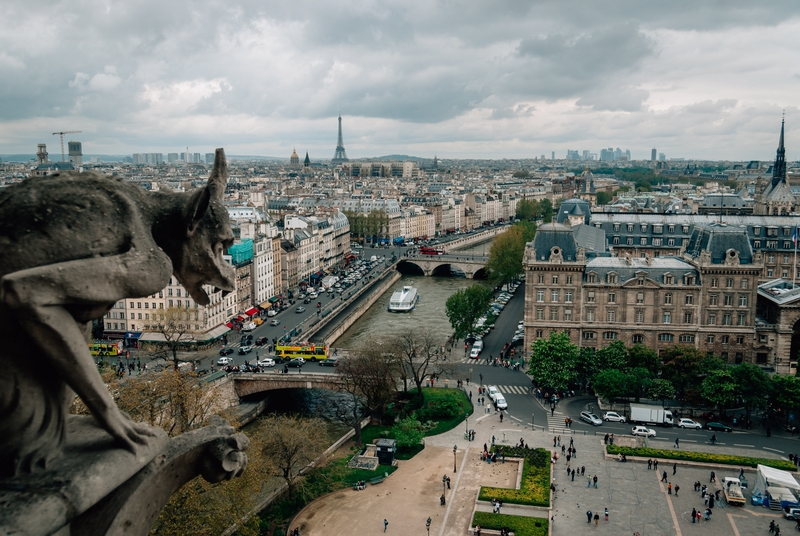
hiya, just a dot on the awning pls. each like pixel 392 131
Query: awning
pixel 229 325
pixel 252 311
pixel 273 299
pixel 133 334
pixel 266 305
pixel 241 318
pixel 215 333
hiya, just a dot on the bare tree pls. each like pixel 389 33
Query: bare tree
pixel 421 355
pixel 177 325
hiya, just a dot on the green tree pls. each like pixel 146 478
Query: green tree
pixel 465 307
pixel 603 198
pixel 640 381
pixel 553 361
pixel 686 367
pixel 525 210
pixel 612 384
pixel 290 443
pixel 586 366
pixel 546 210
pixel 521 174
pixel 408 432
pixel 753 386
pixel 613 356
pixel 785 393
pixel 505 256
pixel 720 388
pixel 528 230
pixel 661 390
pixel 640 355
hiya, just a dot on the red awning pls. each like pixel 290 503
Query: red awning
pixel 252 311
pixel 241 318
pixel 229 325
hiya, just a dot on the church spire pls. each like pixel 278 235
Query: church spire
pixel 779 169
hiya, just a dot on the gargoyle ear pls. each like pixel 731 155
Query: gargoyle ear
pixel 219 175
pixel 196 209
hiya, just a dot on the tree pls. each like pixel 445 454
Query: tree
pixel 419 353
pixel 505 256
pixel 553 361
pixel 408 433
pixel 290 443
pixel 521 174
pixel 528 230
pixel 586 366
pixel 612 384
pixel 640 355
pixel 661 390
pixel 785 393
pixel 603 198
pixel 720 388
pixel 465 307
pixel 546 209
pixel 686 367
pixel 613 356
pixel 753 386
pixel 526 210
pixel 177 325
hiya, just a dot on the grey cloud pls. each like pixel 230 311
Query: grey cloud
pixel 615 99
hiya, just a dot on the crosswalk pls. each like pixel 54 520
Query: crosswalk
pixel 514 389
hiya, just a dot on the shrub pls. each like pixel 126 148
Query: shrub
pixel 441 408
pixel 704 457
pixel 535 485
pixel 407 433
pixel 521 526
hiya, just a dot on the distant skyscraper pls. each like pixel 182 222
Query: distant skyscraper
pixel 553 155
pixel 340 156
pixel 172 158
pixel 75 154
pixel 209 158
pixel 653 154
pixel 662 156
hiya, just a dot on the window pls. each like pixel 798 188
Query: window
pixel 772 244
pixel 743 300
pixel 540 295
pixel 591 278
pixel 639 316
pixel 178 292
pixel 670 241
pixel 643 227
pixel 539 333
pixel 616 240
pixel 770 272
pixel 729 283
pixel 668 298
pixel 658 228
pixel 610 335
pixel 590 315
pixel 612 297
pixel 629 241
pixel 740 339
pixel 671 228
pixel 616 227
pixel 762 339
pixel 712 319
pixel 169 292
pixel 687 317
pixel 714 282
pixel 786 231
pixel 756 231
pixel 666 337
pixel 568 296
pixel 728 299
pixel 686 338
pixel 689 280
pixel 569 280
pixel 741 319
pixel 539 314
pixel 667 317
pixel 784 274
pixel 553 313
pixel 640 297
pixel 726 319
pixel 555 280
pixel 669 279
pixel 568 315
pixel 688 299
pixel 724 339
pixel 738 358
pixel 770 259
pixel 710 339
pixel 757 244
pixel 724 356
pixel 685 229
pixel 170 303
pixel 761 358
pixel 786 257
pixel 554 296
pixel 656 241
pixel 745 282
pixel 541 278
pixel 590 296
pixel 643 241
pixel 612 278
pixel 630 227
pixel 147 305
pixel 588 335
pixel 637 339
pixel 611 316
pixel 786 245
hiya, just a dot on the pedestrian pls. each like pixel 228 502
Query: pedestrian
pixel 441 500
pixel 501 417
pixel 649 464
pixel 470 396
pixel 772 526
pixel 596 519
pixel 606 512
pixel 588 482
pixel 559 442
pixel 694 514
pixel 570 439
pixel 669 488
pixel 385 524
pixel 573 475
pixel 594 479
pixel 448 482
pixel 583 470
pixel 492 440
pixel 589 517
pixel 574 453
pixel 674 468
pixel 485 449
pixel 655 465
pixel 713 477
pixel 554 441
pixel 677 489
pixel 605 439
pixel 563 448
pixel 677 442
pixel 611 439
pixel 664 477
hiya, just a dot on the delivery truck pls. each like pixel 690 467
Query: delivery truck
pixel 656 415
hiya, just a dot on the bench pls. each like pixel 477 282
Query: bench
pixel 377 480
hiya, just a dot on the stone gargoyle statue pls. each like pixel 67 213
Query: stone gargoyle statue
pixel 71 246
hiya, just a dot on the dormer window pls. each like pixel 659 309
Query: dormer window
pixel 689 280
pixel 630 227
pixel 591 278
pixel 644 227
pixel 685 229
pixel 669 279
pixel 756 231
pixel 612 278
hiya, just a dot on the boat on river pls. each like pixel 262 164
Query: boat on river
pixel 403 300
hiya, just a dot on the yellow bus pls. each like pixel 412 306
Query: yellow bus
pixel 103 348
pixel 307 350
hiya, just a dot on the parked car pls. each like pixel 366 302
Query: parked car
pixel 226 351
pixel 718 426
pixel 500 401
pixel 297 362
pixel 643 431
pixel 243 350
pixel 300 309
pixel 330 362
pixel 791 512
pixel 274 322
pixel 591 418
pixel 272 312
pixel 266 362
pixel 224 361
pixel 613 416
pixel 689 423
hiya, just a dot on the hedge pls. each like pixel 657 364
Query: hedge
pixel 535 485
pixel 691 456
pixel 521 526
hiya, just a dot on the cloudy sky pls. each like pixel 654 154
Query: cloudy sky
pixel 460 79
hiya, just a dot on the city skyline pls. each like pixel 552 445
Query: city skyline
pixel 496 81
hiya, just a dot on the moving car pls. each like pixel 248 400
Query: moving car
pixel 245 349
pixel 224 361
pixel 500 401
pixel 272 312
pixel 226 351
pixel 261 341
pixel 689 423
pixel 474 353
pixel 613 416
pixel 718 426
pixel 297 362
pixel 300 309
pixel 274 322
pixel 493 391
pixel 643 431
pixel 330 362
pixel 266 362
pixel 591 418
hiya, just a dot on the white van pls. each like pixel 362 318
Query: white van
pixel 478 346
pixel 248 326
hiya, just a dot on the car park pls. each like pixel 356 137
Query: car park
pixel 591 418
pixel 613 416
pixel 718 426
pixel 266 362
pixel 245 349
pixel 275 322
pixel 500 401
pixel 643 431
pixel 300 309
pixel 226 351
pixel 689 423
pixel 330 362
pixel 224 361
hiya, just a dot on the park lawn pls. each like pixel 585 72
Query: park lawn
pixel 535 484
pixel 704 457
pixel 519 525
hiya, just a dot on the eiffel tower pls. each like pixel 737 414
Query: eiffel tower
pixel 340 156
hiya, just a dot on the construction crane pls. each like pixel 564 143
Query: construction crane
pixel 62 140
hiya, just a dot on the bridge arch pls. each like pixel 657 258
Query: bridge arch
pixel 248 384
pixel 408 267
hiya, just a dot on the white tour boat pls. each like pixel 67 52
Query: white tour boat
pixel 403 300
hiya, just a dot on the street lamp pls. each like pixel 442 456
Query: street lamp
pixel 455 448
pixel 444 484
pixel 466 419
pixel 532 425
pixel 428 526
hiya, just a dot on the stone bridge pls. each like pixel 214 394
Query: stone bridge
pixel 250 383
pixel 472 265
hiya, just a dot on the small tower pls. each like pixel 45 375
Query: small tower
pixel 340 156
pixel 41 154
pixel 307 162
pixel 294 160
